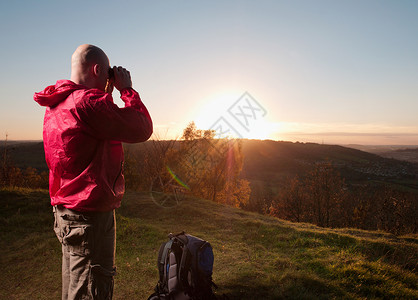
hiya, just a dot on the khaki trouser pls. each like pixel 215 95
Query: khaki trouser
pixel 88 253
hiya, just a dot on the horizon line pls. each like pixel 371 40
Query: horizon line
pixel 248 139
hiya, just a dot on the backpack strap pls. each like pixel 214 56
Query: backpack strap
pixel 165 251
pixel 182 237
pixel 184 263
pixel 184 268
pixel 162 269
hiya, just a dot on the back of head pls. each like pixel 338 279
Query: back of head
pixel 89 66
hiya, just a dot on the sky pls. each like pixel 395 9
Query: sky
pixel 336 72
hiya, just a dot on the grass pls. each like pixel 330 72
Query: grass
pixel 256 257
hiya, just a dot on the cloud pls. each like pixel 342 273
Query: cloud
pixel 406 134
pixel 375 134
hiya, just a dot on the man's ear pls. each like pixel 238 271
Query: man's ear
pixel 96 69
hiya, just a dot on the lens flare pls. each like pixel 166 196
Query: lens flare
pixel 178 180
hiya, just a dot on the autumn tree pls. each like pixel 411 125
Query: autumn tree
pixel 212 166
pixel 325 189
pixel 291 203
pixel 261 198
pixel 313 198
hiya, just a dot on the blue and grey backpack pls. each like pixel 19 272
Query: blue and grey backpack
pixel 185 265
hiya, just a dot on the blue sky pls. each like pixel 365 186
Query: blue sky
pixel 332 71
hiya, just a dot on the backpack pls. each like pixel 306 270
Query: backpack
pixel 185 265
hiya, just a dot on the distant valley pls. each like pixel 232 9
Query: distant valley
pixel 271 161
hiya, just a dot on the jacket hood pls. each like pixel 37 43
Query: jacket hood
pixel 54 94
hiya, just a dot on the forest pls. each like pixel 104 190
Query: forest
pixel 326 185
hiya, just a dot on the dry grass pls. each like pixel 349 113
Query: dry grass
pixel 256 257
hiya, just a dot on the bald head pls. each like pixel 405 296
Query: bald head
pixel 89 66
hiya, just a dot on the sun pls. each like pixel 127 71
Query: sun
pixel 212 108
pixel 213 111
pixel 260 130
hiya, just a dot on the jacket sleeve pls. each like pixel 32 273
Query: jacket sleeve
pixel 105 120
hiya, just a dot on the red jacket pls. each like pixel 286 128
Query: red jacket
pixel 83 131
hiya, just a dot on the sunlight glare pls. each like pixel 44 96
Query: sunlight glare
pixel 216 106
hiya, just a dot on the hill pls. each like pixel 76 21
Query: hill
pixel 268 161
pixel 26 154
pixel 256 257
pixel 407 154
pixel 399 152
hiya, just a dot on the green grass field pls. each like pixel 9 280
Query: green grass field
pixel 256 257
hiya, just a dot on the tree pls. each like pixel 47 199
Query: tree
pixel 291 203
pixel 314 198
pixel 211 167
pixel 325 189
pixel 262 197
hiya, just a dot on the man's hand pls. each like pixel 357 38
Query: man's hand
pixel 122 78
pixel 109 86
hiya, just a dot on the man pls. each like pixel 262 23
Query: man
pixel 83 131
